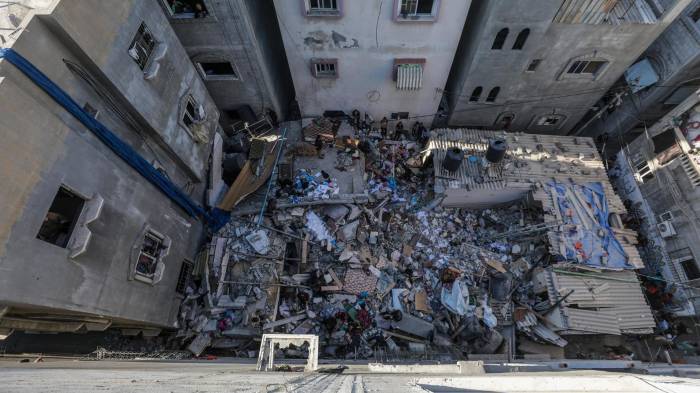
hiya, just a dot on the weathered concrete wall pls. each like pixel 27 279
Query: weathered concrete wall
pixel 366 39
pixel 530 95
pixel 675 56
pixel 245 34
pixel 45 147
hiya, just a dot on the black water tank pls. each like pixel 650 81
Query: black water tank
pixel 496 151
pixel 453 159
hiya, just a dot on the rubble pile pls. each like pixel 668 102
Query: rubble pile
pixel 399 274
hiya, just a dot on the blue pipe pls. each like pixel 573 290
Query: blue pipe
pixel 216 219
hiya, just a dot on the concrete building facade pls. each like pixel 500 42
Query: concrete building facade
pixel 659 173
pixel 541 65
pixel 379 57
pixel 237 49
pixel 86 242
pixel 674 59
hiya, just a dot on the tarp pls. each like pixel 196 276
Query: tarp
pixel 587 237
pixel 119 147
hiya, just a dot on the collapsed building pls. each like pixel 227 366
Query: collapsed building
pixel 471 244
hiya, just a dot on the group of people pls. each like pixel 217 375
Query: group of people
pixel 418 131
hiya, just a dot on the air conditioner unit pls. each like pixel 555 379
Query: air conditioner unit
pixel 666 229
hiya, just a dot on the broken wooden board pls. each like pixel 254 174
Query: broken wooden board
pixel 246 182
pixel 496 265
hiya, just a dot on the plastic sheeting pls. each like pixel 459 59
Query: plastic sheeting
pixel 587 237
pixel 119 147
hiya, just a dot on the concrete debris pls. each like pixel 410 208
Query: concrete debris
pixel 396 273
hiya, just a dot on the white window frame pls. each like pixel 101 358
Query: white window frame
pixel 195 117
pixel 321 68
pixel 163 250
pixel 323 8
pixel 142 48
pixel 235 76
pixel 414 15
pixel 642 168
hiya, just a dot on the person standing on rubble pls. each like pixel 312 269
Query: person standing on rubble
pixel 383 126
pixel 415 130
pixel 423 135
pixel 319 146
pixel 355 118
pixel 398 131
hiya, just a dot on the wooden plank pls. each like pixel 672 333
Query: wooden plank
pixel 246 182
pixel 305 249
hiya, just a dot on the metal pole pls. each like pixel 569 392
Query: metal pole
pixel 282 140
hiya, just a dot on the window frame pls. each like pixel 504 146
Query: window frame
pixel 521 39
pixel 172 15
pixel 320 12
pixel 186 270
pixel 476 94
pixel 148 52
pixel 582 62
pixel 536 120
pixel 492 97
pixel 159 264
pixel 643 171
pixel 187 99
pixel 497 43
pixel 536 63
pixel 207 77
pixel 74 222
pixel 405 17
pixel 315 62
pixel 694 15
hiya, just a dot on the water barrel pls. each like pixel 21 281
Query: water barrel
pixel 453 159
pixel 496 151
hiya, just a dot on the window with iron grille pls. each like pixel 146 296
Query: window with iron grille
pixel 644 172
pixel 184 278
pixel 416 7
pixel 325 68
pixel 142 46
pixel 191 114
pixel 323 6
pixel 151 250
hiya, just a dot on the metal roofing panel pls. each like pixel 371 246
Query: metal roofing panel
pixel 600 300
pixel 604 322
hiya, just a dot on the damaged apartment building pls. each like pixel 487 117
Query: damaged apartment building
pixel 659 174
pixel 385 58
pixel 539 66
pixel 99 126
pixel 662 77
pixel 237 49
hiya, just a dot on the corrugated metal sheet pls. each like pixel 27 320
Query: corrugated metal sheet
pixel 591 321
pixel 409 77
pixel 615 12
pixel 614 305
pixel 531 160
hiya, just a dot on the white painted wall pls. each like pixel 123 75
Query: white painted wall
pixel 366 70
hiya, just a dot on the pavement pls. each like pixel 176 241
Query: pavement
pixel 58 375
